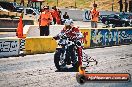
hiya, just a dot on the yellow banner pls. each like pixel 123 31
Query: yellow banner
pixel 87 35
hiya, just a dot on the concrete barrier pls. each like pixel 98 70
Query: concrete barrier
pixel 99 37
pixel 9 46
pixel 43 44
pixel 33 30
pixel 8 29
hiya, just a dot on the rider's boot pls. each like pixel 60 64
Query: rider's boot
pixel 74 60
pixel 68 61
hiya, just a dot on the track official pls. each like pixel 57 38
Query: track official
pixel 94 14
pixel 44 22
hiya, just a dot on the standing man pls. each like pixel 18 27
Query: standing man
pixel 55 14
pixel 44 22
pixel 66 16
pixel 126 5
pixel 22 2
pixel 130 6
pixel 94 13
pixel 121 5
pixel 59 16
pixel 29 3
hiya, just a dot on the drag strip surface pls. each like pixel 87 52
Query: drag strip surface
pixel 39 70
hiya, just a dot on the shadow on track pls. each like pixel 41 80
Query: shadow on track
pixel 71 69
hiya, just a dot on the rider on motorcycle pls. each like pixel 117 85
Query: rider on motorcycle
pixel 73 34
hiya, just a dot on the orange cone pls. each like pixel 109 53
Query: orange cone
pixel 19 32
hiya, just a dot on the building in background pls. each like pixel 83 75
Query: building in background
pixel 37 4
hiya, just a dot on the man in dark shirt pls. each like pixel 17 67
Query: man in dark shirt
pixel 121 5
pixel 66 16
pixel 126 5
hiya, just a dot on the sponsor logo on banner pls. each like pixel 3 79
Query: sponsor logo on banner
pixel 9 47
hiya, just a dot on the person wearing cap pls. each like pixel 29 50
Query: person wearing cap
pixel 71 32
pixel 94 14
pixel 44 22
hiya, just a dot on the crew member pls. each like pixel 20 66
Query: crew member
pixel 94 13
pixel 44 22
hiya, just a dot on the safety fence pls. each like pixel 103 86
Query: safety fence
pixel 100 37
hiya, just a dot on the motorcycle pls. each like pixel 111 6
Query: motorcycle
pixel 63 55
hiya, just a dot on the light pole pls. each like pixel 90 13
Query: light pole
pixel 57 3
pixel 112 5
pixel 75 3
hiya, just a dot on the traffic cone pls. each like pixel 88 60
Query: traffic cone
pixel 19 32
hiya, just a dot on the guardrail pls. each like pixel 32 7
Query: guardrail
pixel 9 23
pixel 9 14
pixel 8 29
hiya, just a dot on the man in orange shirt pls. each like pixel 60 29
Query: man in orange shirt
pixel 94 13
pixel 55 14
pixel 44 22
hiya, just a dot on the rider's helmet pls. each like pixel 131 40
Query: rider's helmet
pixel 68 23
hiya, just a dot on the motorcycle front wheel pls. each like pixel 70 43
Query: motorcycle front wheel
pixel 59 61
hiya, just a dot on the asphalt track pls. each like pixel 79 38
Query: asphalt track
pixel 39 70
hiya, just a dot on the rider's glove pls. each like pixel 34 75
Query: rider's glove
pixel 55 37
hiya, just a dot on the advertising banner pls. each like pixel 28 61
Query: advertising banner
pixel 9 47
pixel 104 37
pixel 86 40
